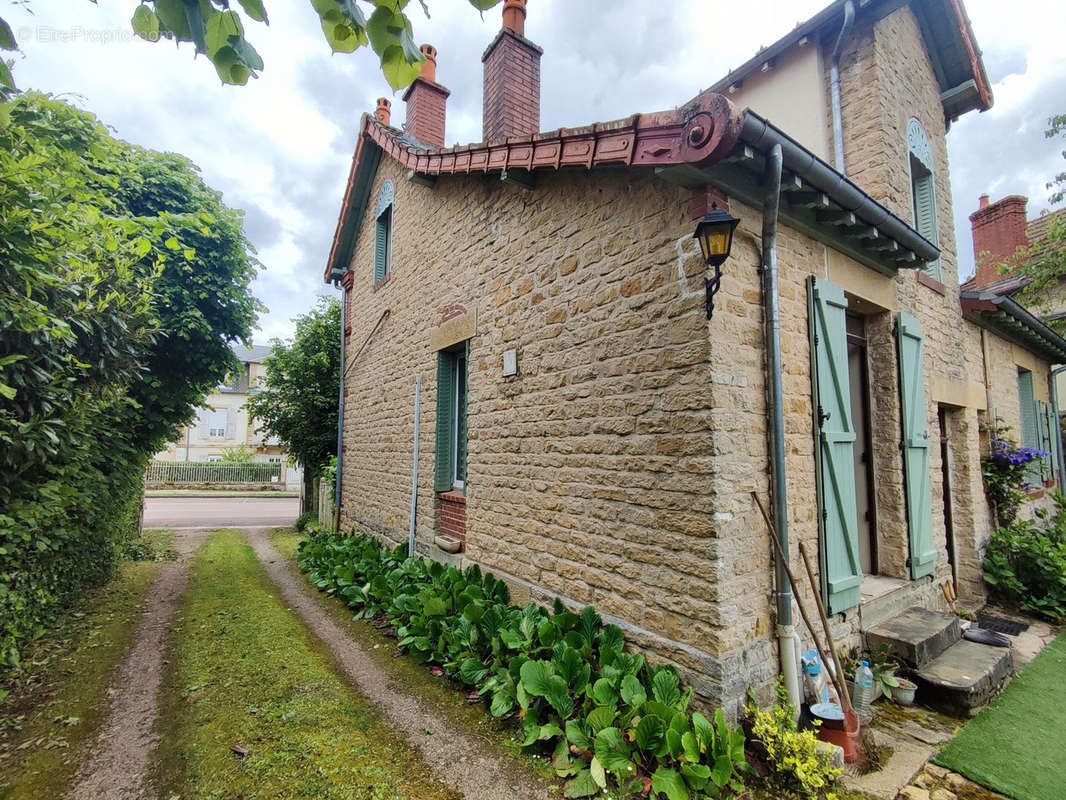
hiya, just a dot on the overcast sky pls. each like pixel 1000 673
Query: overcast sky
pixel 280 147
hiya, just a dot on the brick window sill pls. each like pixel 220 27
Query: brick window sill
pixel 381 284
pixel 453 496
pixel 931 283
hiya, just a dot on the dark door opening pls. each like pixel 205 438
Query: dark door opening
pixel 859 380
pixel 947 468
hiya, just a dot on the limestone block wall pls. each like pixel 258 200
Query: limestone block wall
pixel 590 473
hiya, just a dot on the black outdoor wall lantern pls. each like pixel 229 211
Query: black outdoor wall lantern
pixel 715 235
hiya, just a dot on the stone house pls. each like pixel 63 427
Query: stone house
pixel 1003 241
pixel 592 429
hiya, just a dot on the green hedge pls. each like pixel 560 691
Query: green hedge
pixel 608 717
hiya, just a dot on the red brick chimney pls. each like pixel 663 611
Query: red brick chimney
pixel 425 100
pixel 512 79
pixel 382 113
pixel 998 232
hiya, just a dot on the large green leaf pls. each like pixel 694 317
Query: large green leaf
pixel 340 34
pixel 613 752
pixel 483 5
pixel 704 731
pixel 589 624
pixel 502 702
pixel 254 9
pixel 220 28
pixel 384 28
pixel 632 690
pixel 581 785
pixel 7 37
pixel 611 638
pixel 598 774
pixel 669 782
pixel 145 23
pixel 398 71
pixel 472 671
pixel 171 14
pixel 600 718
pixel 536 677
pixel 578 734
pixel 650 733
pixel 603 693
pixel 696 775
pixel 723 769
pixel 664 687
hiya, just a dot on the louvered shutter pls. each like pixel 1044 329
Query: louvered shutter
pixel 381 246
pixel 1052 443
pixel 911 344
pixel 1042 422
pixel 834 462
pixel 443 479
pixel 231 424
pixel 203 423
pixel 461 443
pixel 925 218
pixel 1027 416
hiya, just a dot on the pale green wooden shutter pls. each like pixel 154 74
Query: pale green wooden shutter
pixel 381 246
pixel 443 480
pixel 1052 443
pixel 915 446
pixel 461 443
pixel 1045 438
pixel 834 463
pixel 925 218
pixel 1027 415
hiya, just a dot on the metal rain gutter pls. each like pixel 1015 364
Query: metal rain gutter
pixel 761 135
pixel 786 633
pixel 834 87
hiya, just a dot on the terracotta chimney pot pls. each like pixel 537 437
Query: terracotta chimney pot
pixel 429 66
pixel 983 201
pixel 514 16
pixel 383 111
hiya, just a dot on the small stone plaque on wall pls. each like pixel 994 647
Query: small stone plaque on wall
pixel 456 325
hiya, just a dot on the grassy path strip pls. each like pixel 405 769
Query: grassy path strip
pixel 46 721
pixel 116 761
pixel 253 706
pixel 471 762
pixel 1016 745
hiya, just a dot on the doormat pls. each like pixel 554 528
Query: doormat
pixel 1000 625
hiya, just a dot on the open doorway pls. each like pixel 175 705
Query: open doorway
pixel 859 384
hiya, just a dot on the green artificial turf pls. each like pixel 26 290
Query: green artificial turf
pixel 1016 745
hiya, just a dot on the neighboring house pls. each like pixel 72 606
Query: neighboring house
pixel 1003 239
pixel 222 424
pixel 588 431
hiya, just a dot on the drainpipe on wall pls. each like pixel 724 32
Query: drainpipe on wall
pixel 340 417
pixel 1057 434
pixel 786 632
pixel 834 87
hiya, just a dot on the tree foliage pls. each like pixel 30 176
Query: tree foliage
pixel 1045 260
pixel 298 403
pixel 1057 127
pixel 216 29
pixel 123 280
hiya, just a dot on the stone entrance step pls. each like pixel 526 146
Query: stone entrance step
pixel 963 677
pixel 917 636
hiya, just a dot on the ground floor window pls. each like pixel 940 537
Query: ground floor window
pixel 450 466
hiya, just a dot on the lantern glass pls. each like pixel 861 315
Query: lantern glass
pixel 715 235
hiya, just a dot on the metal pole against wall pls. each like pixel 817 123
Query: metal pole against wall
pixel 1056 435
pixel 414 469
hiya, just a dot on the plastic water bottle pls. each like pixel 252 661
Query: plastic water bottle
pixel 864 691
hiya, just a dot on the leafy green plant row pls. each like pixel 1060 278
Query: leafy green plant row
pixel 608 717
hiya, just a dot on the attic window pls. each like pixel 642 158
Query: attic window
pixel 383 233
pixel 923 190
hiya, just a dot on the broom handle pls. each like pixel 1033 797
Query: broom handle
pixel 845 700
pixel 825 625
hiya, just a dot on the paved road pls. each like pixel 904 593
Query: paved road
pixel 219 512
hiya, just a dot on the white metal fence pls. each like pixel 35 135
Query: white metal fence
pixel 171 472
